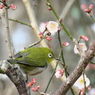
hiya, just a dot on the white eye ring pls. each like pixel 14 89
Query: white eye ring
pixel 50 55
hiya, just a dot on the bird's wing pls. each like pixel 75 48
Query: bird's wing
pixel 25 59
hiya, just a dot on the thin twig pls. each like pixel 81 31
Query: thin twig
pixel 35 43
pixel 19 22
pixel 51 78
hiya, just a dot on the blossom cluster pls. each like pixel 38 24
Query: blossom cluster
pixel 30 85
pixel 12 6
pixel 82 46
pixel 89 10
pixel 47 29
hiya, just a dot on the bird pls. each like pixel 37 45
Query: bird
pixel 33 60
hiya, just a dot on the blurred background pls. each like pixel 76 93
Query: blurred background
pixel 77 22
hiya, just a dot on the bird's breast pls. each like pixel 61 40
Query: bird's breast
pixel 36 70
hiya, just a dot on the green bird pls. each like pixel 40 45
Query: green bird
pixel 33 60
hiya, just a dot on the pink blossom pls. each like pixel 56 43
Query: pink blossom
pixel 59 73
pixel 82 46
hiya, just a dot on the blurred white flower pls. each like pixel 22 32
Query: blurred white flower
pixel 82 46
pixel 42 26
pixel 91 91
pixel 59 73
pixel 52 27
pixel 93 27
pixel 80 82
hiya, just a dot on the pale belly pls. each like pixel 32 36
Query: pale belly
pixel 36 71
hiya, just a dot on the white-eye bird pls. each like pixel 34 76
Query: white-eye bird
pixel 33 60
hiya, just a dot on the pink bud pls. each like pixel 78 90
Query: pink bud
pixel 86 10
pixel 49 8
pixel 38 86
pixel 35 89
pixel 29 84
pixel 13 6
pixel 90 6
pixel 34 81
pixel 65 44
pixel 48 38
pixel 85 38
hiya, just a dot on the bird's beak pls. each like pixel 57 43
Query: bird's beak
pixel 57 59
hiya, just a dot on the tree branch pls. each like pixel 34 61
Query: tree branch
pixel 15 76
pixel 4 17
pixel 84 61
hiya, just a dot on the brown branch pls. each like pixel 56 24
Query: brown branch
pixel 84 61
pixel 15 76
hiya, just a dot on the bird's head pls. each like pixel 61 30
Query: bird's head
pixel 49 55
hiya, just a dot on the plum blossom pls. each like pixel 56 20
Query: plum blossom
pixel 59 73
pixel 80 82
pixel 42 26
pixel 82 46
pixel 52 26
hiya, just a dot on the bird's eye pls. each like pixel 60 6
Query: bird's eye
pixel 50 55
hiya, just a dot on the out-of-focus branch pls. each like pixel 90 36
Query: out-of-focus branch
pixel 66 9
pixel 84 61
pixel 4 17
pixel 15 76
pixel 33 21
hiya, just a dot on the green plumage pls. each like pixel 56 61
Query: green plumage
pixel 33 60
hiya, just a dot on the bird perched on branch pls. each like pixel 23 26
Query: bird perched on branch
pixel 33 60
